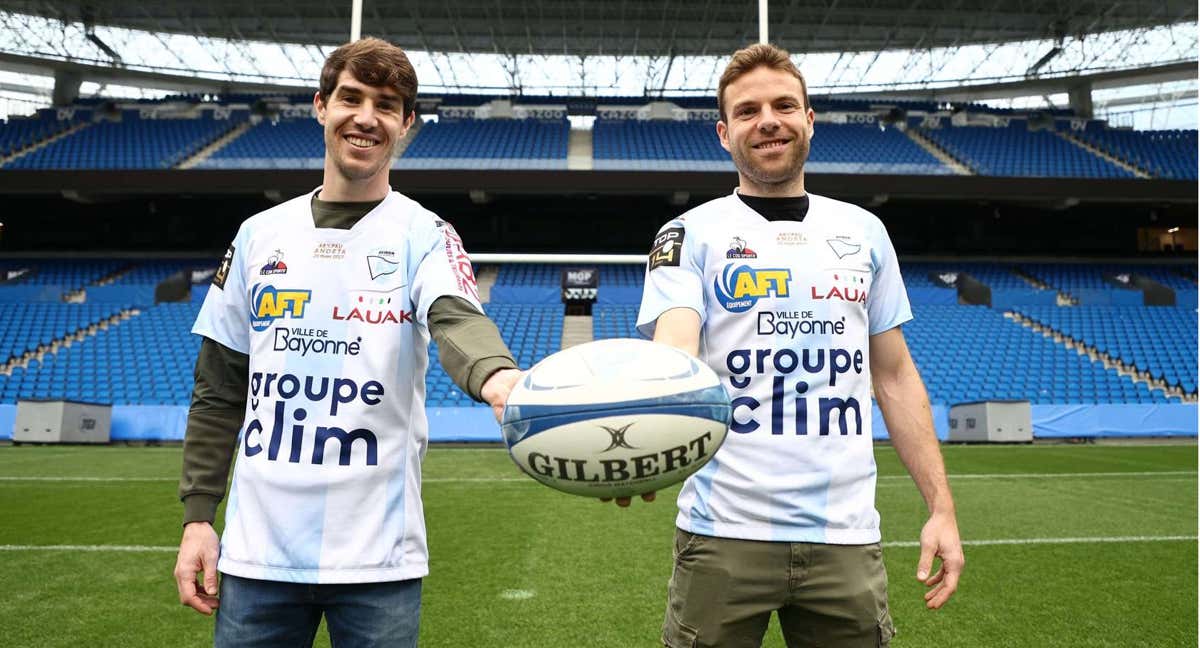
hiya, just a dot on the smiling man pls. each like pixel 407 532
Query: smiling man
pixel 796 301
pixel 312 370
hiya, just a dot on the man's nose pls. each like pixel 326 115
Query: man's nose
pixel 767 120
pixel 365 116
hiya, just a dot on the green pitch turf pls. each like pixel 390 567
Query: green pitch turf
pixel 1101 551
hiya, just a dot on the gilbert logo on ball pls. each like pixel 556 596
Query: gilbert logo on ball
pixel 615 418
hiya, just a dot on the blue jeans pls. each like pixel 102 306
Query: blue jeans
pixel 269 614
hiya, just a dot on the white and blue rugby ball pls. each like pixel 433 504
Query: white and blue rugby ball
pixel 615 418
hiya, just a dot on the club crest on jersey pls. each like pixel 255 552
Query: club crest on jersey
pixel 274 264
pixel 380 266
pixel 270 303
pixel 843 248
pixel 738 250
pixel 846 287
pixel 738 288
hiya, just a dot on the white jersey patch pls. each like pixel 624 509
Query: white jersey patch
pixel 327 483
pixel 787 310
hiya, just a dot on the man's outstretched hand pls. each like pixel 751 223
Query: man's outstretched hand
pixel 496 389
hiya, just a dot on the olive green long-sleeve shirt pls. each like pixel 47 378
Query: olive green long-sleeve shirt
pixel 469 347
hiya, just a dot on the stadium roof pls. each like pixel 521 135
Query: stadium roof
pixel 627 27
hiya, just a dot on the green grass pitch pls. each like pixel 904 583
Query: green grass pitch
pixel 515 564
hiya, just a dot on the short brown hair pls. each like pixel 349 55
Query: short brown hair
pixel 374 62
pixel 748 59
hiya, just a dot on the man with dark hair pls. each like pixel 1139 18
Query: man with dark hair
pixel 796 301
pixel 316 333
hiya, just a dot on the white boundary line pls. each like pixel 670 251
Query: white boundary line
pixel 439 480
pixel 899 544
pixel 1053 541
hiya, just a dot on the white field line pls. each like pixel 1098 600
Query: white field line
pixel 453 480
pixel 1054 541
pixel 896 544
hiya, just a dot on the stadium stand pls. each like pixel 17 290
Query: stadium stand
pixel 1163 154
pixel 284 144
pixel 1017 151
pixel 971 353
pixel 27 327
pixel 70 275
pixel 1160 341
pixel 131 143
pixel 19 133
pixel 489 144
pixel 532 332
pixel 145 360
pixel 688 145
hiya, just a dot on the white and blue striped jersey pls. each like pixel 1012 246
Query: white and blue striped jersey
pixel 327 481
pixel 787 309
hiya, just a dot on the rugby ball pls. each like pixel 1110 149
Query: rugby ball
pixel 615 418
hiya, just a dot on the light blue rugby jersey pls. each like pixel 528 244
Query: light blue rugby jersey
pixel 787 310
pixel 327 482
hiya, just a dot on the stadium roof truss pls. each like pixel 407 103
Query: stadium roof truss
pixel 627 27
pixel 645 47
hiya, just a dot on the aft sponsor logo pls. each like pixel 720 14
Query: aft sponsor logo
pixel 372 308
pixel 845 287
pixel 793 323
pixel 314 341
pixel 739 288
pixel 274 265
pixel 269 303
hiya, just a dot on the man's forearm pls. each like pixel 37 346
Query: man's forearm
pixel 214 418
pixel 469 344
pixel 906 410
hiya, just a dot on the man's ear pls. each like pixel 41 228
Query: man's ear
pixel 723 134
pixel 319 108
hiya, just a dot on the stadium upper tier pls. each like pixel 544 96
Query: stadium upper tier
pixel 131 143
pixel 851 136
pixel 837 148
pixel 1163 154
pixel 1017 151
pixel 489 143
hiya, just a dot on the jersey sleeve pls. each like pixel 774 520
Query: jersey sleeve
pixel 443 270
pixel 887 303
pixel 225 315
pixel 674 277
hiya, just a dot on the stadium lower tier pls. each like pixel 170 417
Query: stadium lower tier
pixel 140 360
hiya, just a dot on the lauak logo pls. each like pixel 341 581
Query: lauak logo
pixel 739 288
pixel 271 303
pixel 846 288
pixel 372 308
pixel 274 265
